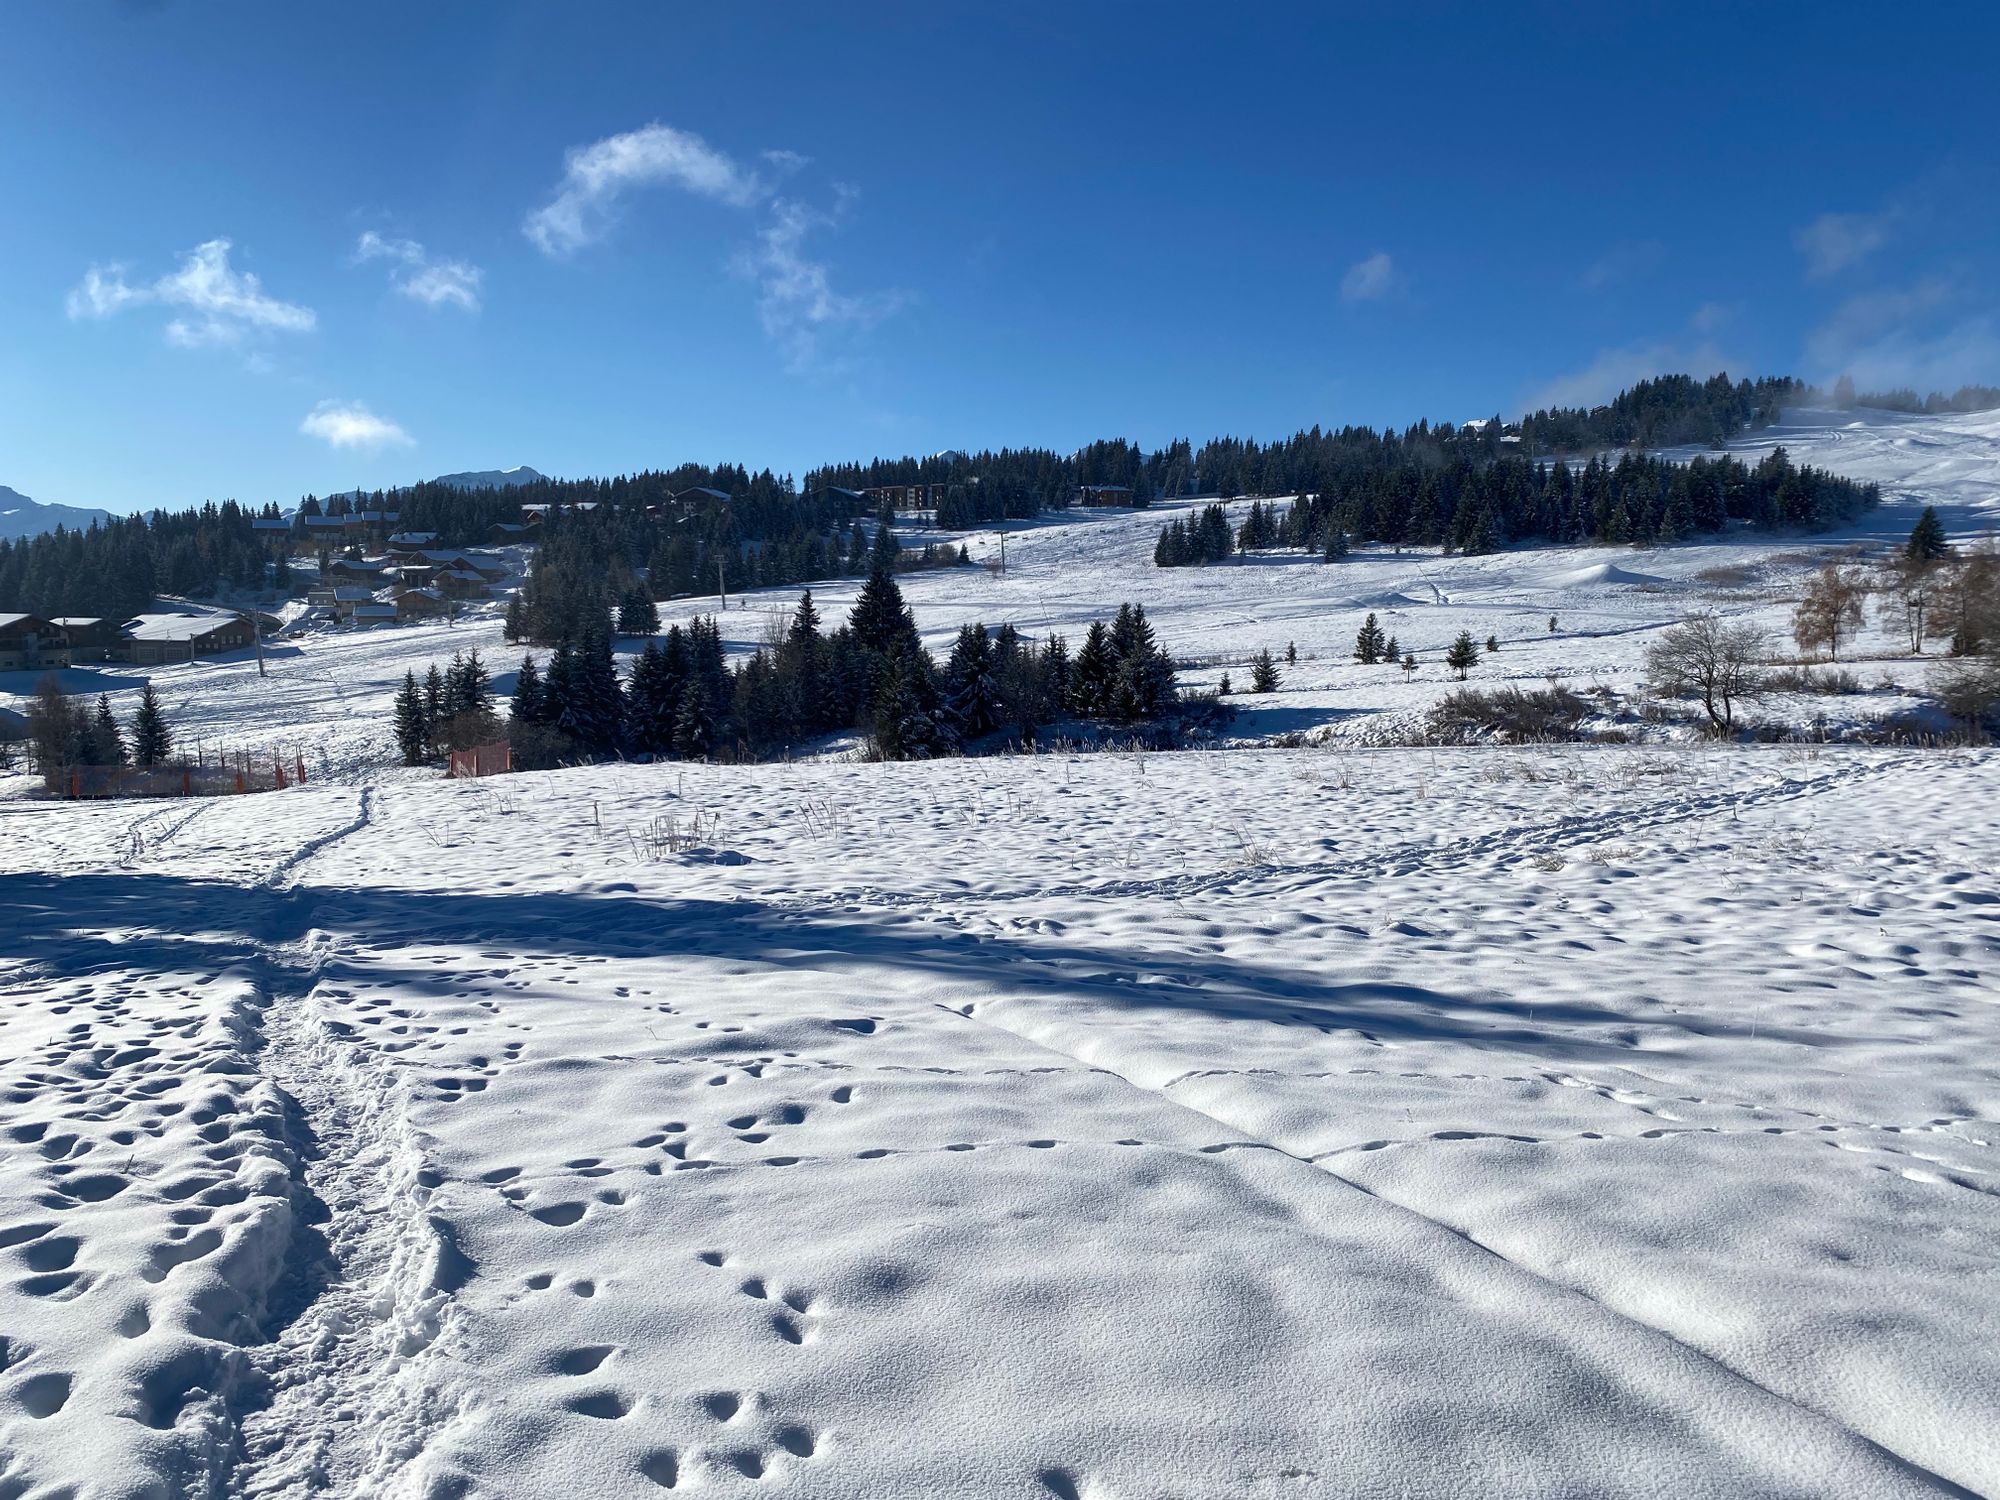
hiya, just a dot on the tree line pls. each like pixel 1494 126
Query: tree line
pixel 870 673
pixel 1474 507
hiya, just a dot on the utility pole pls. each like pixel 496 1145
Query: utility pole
pixel 721 588
pixel 248 617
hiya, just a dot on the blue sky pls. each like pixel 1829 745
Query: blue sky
pixel 254 250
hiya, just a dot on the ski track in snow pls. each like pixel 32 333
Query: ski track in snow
pixel 1618 1121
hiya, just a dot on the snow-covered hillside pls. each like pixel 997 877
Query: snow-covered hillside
pixel 1618 1121
pixel 332 692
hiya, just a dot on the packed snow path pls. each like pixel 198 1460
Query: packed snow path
pixel 1533 1123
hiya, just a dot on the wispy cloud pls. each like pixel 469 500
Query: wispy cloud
pixel 1932 335
pixel 1834 242
pixel 1370 280
pixel 350 424
pixel 414 273
pixel 1613 370
pixel 217 303
pixel 597 176
pixel 796 301
pixel 1622 263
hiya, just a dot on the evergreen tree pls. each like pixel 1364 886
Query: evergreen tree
pixel 152 737
pixel 1369 642
pixel 1409 662
pixel 107 745
pixel 973 699
pixel 653 703
pixel 559 687
pixel 1463 655
pixel 905 711
pixel 516 626
pixel 883 554
pixel 435 697
pixel 1263 672
pixel 694 727
pixel 1392 652
pixel 1492 644
pixel 1222 688
pixel 880 621
pixel 637 614
pixel 596 705
pixel 1095 672
pixel 1928 542
pixel 525 707
pixel 412 727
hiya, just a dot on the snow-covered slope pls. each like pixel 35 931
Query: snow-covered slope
pixel 21 517
pixel 1610 1121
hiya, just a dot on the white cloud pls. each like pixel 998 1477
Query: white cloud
pixel 1929 336
pixel 349 424
pixel 596 176
pixel 1833 242
pixel 220 305
pixel 796 301
pixel 417 276
pixel 1615 370
pixel 1370 280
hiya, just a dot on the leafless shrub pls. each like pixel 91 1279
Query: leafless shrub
pixel 1803 679
pixel 1510 714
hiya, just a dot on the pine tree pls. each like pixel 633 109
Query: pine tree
pixel 1409 661
pixel 559 687
pixel 525 707
pixel 435 697
pixel 881 622
pixel 1263 672
pixel 152 737
pixel 516 626
pixel 412 727
pixel 1928 542
pixel 1222 688
pixel 1291 653
pixel 1095 671
pixel 1492 644
pixel 694 729
pixel 1336 542
pixel 883 554
pixel 107 745
pixel 637 614
pixel 1463 655
pixel 652 702
pixel 1369 642
pixel 1392 652
pixel 974 692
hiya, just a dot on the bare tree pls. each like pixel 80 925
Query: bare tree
pixel 1710 658
pixel 1830 612
pixel 1911 590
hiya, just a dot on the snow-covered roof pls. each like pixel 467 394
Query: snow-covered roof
pixel 375 612
pixel 176 627
pixel 412 538
pixel 76 622
pixel 347 592
pixel 14 622
pixel 271 523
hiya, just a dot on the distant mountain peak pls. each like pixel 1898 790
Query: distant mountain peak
pixel 22 517
pixel 491 479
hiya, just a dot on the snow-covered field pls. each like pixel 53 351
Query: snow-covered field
pixel 1350 1120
